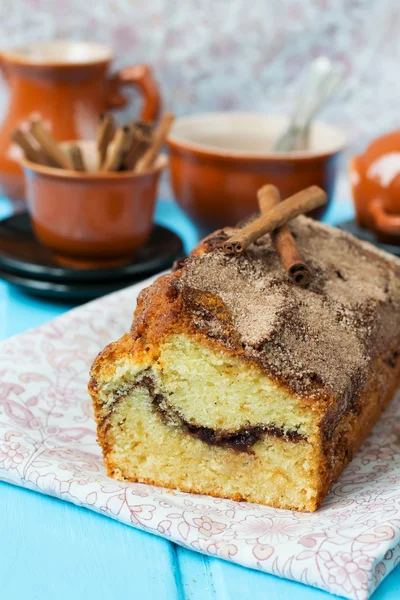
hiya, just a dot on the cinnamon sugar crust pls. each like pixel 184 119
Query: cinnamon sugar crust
pixel 318 339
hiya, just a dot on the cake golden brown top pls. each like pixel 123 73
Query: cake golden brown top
pixel 318 339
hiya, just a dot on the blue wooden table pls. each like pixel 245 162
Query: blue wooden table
pixel 53 550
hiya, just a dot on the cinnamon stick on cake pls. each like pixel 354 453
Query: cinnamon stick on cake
pixel 235 382
pixel 283 240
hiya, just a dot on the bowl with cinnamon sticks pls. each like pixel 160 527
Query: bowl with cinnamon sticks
pixel 92 201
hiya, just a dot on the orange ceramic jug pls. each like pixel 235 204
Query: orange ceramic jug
pixel 67 84
pixel 375 183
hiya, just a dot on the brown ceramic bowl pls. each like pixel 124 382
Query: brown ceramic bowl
pixel 91 219
pixel 218 161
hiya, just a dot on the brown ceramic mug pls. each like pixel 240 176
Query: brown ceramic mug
pixel 67 84
pixel 218 161
pixel 91 219
pixel 375 182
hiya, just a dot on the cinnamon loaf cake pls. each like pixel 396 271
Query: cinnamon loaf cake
pixel 236 383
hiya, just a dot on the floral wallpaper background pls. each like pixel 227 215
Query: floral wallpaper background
pixel 236 54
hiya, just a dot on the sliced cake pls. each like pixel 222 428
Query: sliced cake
pixel 236 383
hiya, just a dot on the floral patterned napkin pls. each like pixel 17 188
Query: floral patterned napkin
pixel 48 444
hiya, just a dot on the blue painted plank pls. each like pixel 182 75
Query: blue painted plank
pixel 339 210
pixel 50 549
pixel 196 576
pixel 213 579
pixel 230 581
pixel 170 215
pixel 22 312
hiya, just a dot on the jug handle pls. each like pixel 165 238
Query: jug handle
pixel 383 221
pixel 3 70
pixel 141 77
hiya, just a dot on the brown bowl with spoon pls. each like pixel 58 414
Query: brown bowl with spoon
pixel 92 202
pixel 218 161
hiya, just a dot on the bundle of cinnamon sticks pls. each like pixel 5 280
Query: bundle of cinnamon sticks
pixel 273 220
pixel 134 146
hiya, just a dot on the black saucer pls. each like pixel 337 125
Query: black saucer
pixel 74 291
pixel 367 236
pixel 21 253
pixel 31 266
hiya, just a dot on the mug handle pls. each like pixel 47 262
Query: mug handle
pixel 140 76
pixel 383 221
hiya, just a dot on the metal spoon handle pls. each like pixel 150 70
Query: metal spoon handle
pixel 320 84
pixel 309 96
pixel 329 88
